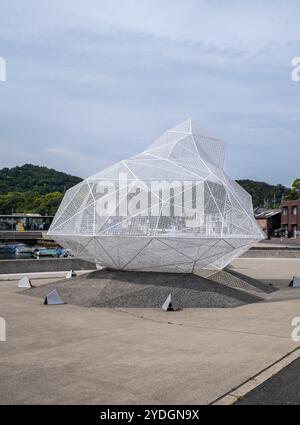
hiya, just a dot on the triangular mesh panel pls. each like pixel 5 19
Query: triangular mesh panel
pixel 171 208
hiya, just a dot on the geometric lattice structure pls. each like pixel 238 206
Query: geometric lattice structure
pixel 170 208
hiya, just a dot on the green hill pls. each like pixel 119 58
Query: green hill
pixel 264 194
pixel 31 188
pixel 34 178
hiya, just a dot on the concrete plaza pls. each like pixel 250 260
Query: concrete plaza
pixel 68 354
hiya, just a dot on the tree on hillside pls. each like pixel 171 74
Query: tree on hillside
pixel 30 202
pixel 49 203
pixel 264 194
pixel 295 192
pixel 34 178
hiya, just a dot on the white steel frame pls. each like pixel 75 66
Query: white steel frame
pixel 171 208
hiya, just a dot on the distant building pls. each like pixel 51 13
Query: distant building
pixel 22 222
pixel 290 217
pixel 269 220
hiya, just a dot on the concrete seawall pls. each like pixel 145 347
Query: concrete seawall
pixel 28 237
pixel 11 235
pixel 44 265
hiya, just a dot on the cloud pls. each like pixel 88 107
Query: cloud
pixel 92 82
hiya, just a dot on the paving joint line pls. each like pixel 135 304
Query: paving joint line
pixel 199 327
pixel 259 378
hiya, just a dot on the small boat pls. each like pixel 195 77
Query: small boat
pixel 50 252
pixel 24 249
pixel 8 249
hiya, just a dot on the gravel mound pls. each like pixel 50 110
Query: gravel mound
pixel 257 285
pixel 113 288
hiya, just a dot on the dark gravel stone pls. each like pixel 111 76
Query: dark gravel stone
pixel 114 288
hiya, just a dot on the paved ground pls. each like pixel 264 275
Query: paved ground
pixel 279 271
pixel 285 242
pixel 70 354
pixel 281 389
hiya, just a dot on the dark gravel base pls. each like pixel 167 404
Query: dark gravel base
pixel 231 281
pixel 259 285
pixel 113 288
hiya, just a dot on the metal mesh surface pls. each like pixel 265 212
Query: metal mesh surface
pixel 171 208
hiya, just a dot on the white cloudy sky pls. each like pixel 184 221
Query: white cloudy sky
pixel 90 82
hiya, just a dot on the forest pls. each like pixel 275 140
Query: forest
pixel 36 189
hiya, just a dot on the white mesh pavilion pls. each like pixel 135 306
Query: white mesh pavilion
pixel 171 208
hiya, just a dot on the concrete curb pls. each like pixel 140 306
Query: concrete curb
pixel 40 275
pixel 237 393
